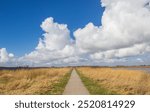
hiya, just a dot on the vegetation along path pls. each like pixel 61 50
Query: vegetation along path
pixel 75 86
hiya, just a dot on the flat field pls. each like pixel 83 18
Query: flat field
pixel 115 81
pixel 40 81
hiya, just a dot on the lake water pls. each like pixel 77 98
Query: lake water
pixel 143 69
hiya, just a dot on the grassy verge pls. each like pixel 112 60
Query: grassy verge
pixel 58 88
pixel 93 87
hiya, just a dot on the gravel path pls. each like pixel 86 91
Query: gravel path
pixel 75 86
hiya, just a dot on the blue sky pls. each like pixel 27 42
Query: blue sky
pixel 20 20
pixel 114 35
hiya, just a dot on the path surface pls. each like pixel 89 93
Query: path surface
pixel 75 85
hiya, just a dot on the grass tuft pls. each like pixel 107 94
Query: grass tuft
pixel 59 87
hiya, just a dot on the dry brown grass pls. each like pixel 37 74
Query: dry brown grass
pixel 122 81
pixel 31 81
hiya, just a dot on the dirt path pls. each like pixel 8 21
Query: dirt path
pixel 75 86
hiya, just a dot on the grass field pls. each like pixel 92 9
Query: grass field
pixel 40 81
pixel 115 81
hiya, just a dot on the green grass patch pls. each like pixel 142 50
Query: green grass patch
pixel 58 88
pixel 93 87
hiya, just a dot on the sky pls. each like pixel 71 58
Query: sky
pixel 74 32
pixel 20 20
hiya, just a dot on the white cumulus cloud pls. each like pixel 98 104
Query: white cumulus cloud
pixel 55 45
pixel 124 31
pixel 5 56
pixel 57 36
